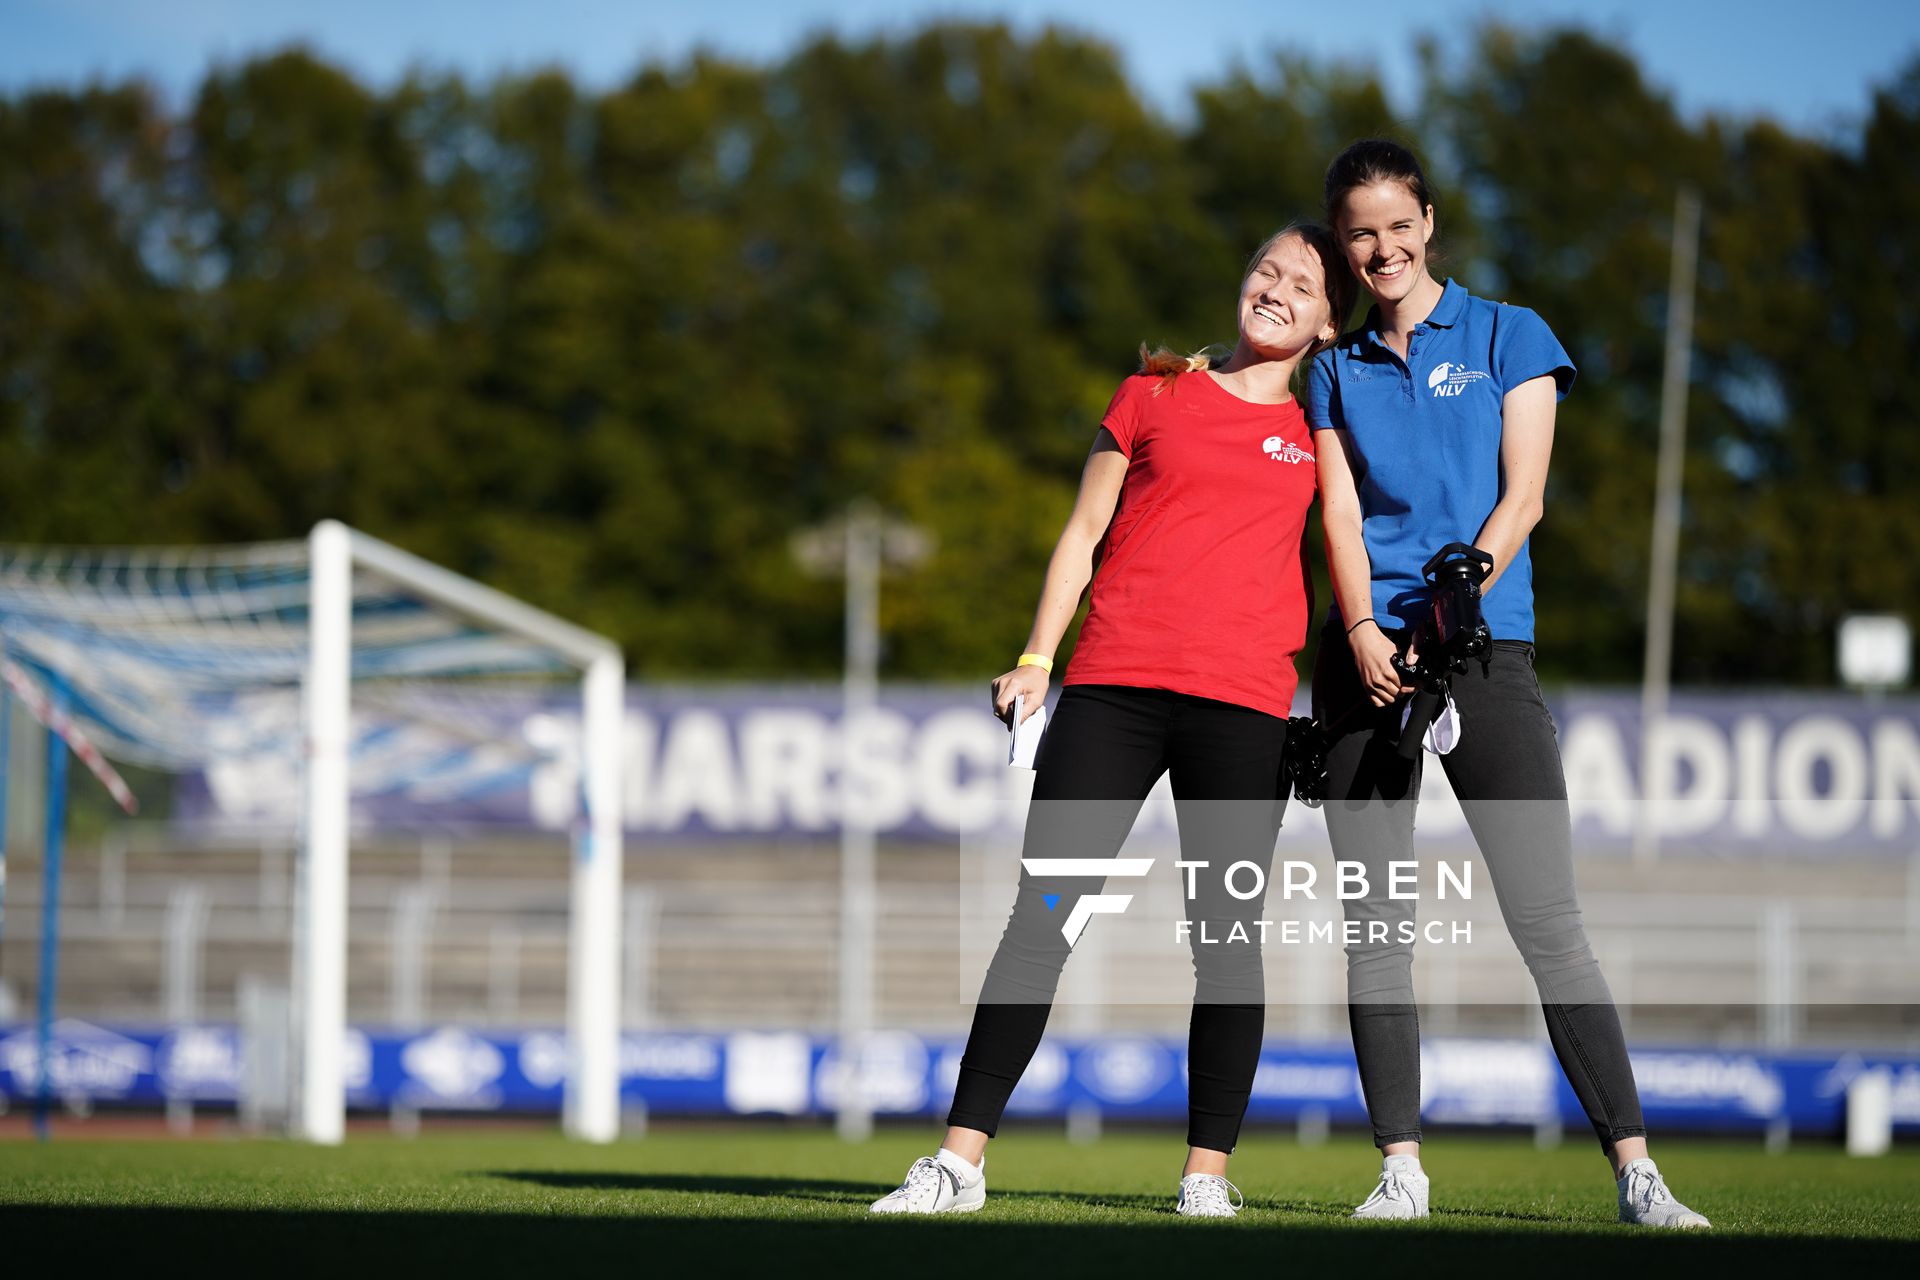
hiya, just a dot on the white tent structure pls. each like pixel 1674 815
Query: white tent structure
pixel 151 650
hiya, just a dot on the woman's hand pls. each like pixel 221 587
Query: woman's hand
pixel 1373 657
pixel 1029 682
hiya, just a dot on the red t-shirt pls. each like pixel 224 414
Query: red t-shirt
pixel 1200 586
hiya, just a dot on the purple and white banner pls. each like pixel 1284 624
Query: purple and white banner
pixel 1786 772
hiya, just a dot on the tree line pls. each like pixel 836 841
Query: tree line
pixel 609 350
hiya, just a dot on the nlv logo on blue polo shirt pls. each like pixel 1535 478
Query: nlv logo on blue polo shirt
pixel 1425 436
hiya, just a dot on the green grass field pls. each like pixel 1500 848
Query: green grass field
pixel 787 1202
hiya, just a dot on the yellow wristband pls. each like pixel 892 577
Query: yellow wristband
pixel 1039 660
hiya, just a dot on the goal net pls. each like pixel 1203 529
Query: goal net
pixel 254 659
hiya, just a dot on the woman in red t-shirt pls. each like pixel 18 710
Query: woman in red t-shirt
pixel 1188 526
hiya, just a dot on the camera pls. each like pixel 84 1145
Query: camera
pixel 1303 761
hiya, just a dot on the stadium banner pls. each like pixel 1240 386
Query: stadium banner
pixel 790 1073
pixel 1779 772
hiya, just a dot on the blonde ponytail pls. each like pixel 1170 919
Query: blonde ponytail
pixel 1167 364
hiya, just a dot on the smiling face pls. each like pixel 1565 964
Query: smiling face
pixel 1283 301
pixel 1384 231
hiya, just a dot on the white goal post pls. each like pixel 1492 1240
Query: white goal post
pixel 242 662
pixel 592 1099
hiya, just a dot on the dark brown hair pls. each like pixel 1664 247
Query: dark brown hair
pixel 1369 161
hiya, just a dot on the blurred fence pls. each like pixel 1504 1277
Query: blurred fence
pixel 717 937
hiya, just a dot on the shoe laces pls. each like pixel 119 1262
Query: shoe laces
pixel 1646 1186
pixel 1390 1188
pixel 1212 1190
pixel 924 1175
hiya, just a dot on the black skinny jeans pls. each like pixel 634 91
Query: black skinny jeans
pixel 1105 748
pixel 1506 773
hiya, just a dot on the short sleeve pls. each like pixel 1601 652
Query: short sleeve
pixel 1122 419
pixel 1524 348
pixel 1323 395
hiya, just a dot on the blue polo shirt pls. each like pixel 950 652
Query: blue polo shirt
pixel 1426 441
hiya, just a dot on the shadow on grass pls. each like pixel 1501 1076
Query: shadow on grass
pixel 281 1243
pixel 809 1226
pixel 863 1193
pixel 822 1189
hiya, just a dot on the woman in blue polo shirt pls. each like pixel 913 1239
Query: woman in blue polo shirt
pixel 1434 424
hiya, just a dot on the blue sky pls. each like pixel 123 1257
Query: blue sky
pixel 1811 67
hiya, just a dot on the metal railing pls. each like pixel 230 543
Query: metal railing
pixel 440 945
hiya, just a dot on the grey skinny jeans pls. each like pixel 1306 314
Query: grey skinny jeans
pixel 1506 772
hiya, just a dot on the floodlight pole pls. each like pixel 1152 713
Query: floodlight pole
pixel 1669 472
pixel 856 548
pixel 859 692
pixel 322 1115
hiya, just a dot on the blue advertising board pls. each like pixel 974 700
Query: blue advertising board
pixel 783 1073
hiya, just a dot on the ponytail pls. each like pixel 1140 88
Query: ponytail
pixel 1167 364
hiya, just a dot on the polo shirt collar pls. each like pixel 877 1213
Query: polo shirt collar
pixel 1445 314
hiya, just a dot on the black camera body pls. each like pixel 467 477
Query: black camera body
pixel 1452 634
pixel 1303 761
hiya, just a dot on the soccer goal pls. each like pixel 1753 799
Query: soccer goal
pixel 163 657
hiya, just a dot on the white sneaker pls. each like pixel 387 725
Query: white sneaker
pixel 939 1183
pixel 1646 1202
pixel 1401 1192
pixel 1208 1195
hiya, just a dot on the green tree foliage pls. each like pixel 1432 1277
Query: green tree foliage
pixel 609 351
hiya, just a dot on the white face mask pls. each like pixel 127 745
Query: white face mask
pixel 1443 734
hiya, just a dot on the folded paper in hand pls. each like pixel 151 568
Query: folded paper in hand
pixel 1026 734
